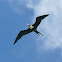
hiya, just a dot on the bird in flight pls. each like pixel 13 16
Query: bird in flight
pixel 32 28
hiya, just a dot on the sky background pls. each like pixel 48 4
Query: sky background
pixel 14 15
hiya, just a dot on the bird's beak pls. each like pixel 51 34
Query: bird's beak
pixel 28 24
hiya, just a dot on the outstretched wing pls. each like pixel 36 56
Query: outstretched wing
pixel 24 32
pixel 38 20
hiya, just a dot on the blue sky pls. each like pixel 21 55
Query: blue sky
pixel 14 15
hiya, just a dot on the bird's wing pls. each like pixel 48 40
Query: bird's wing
pixel 38 20
pixel 24 32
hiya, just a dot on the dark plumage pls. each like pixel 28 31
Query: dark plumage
pixel 31 28
pixel 38 20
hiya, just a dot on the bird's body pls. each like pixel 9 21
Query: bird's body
pixel 31 28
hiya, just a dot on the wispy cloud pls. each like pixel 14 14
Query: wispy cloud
pixel 51 27
pixel 20 6
pixel 53 24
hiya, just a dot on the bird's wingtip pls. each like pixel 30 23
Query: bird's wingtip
pixel 48 14
pixel 14 44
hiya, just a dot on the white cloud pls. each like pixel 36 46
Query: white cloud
pixel 50 26
pixel 20 6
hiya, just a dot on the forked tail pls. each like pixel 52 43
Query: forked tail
pixel 37 32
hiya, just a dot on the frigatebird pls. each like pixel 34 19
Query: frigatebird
pixel 32 28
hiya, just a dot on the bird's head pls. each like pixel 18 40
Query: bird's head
pixel 28 24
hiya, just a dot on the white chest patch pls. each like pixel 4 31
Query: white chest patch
pixel 31 27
